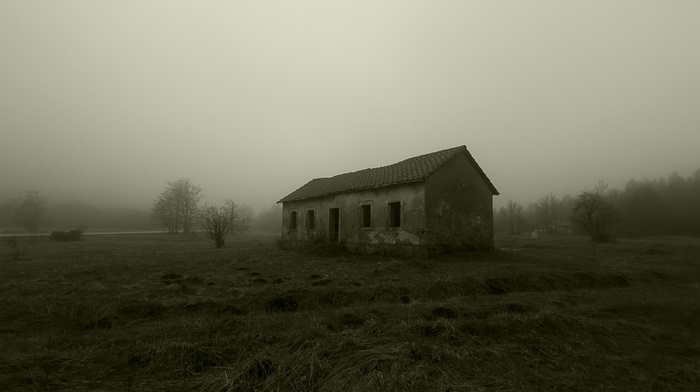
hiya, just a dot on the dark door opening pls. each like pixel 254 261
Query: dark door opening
pixel 333 224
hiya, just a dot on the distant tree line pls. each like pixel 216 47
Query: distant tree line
pixel 176 209
pixel 79 215
pixel 665 206
pixel 32 212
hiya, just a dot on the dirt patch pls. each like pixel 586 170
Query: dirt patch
pixel 193 280
pixel 517 308
pixel 432 330
pixel 347 320
pixel 169 279
pixel 101 323
pixel 232 309
pixel 282 304
pixel 323 282
pixel 336 298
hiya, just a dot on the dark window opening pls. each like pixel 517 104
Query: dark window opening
pixel 395 214
pixel 366 215
pixel 334 225
pixel 310 219
pixel 293 220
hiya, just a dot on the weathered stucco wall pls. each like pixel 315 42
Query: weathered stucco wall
pixel 379 237
pixel 459 207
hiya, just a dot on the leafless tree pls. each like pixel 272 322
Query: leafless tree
pixel 594 213
pixel 177 206
pixel 515 215
pixel 548 212
pixel 218 222
pixel 245 220
pixel 188 197
pixel 27 211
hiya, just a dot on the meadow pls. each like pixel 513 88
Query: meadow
pixel 155 312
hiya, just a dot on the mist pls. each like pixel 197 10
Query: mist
pixel 101 104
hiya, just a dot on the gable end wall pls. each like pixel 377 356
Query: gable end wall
pixel 459 207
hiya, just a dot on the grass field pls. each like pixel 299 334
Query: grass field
pixel 173 313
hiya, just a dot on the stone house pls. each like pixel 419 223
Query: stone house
pixel 428 204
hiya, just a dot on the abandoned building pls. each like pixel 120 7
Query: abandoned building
pixel 432 203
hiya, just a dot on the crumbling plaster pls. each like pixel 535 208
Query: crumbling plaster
pixel 379 233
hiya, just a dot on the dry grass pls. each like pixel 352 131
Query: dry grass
pixel 172 313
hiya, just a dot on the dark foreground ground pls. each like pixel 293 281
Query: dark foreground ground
pixel 172 313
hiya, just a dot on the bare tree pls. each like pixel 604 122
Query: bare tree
pixel 594 213
pixel 218 222
pixel 165 211
pixel 515 216
pixel 188 196
pixel 27 211
pixel 245 220
pixel 18 246
pixel 547 211
pixel 177 207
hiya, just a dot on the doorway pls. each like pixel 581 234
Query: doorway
pixel 333 224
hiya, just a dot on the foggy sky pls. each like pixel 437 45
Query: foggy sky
pixel 105 101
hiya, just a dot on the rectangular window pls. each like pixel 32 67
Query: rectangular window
pixel 310 219
pixel 366 215
pixel 293 220
pixel 333 224
pixel 395 214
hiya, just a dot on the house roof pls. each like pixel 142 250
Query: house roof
pixel 410 170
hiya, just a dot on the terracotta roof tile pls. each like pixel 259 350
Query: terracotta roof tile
pixel 407 171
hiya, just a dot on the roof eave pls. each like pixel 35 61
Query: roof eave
pixel 286 200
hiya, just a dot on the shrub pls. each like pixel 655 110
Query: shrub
pixel 17 248
pixel 73 235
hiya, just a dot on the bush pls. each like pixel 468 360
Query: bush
pixel 17 248
pixel 73 235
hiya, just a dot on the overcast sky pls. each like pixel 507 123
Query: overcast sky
pixel 104 101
